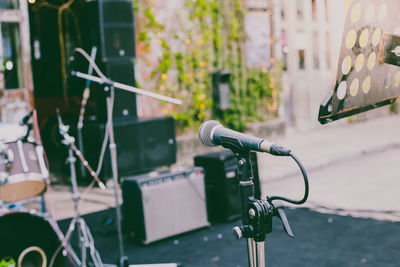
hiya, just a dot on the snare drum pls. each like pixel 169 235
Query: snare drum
pixel 28 240
pixel 27 175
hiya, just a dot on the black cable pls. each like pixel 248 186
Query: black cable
pixel 304 199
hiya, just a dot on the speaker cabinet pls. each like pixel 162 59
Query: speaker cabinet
pixel 221 89
pixel 124 101
pixel 109 26
pixel 142 144
pixel 157 206
pixel 222 184
pixel 116 33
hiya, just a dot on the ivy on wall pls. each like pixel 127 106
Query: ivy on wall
pixel 207 35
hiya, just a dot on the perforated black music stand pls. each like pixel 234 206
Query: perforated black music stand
pixel 367 76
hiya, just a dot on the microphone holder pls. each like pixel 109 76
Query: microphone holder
pixel 256 214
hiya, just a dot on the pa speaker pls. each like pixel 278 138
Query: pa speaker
pixel 124 101
pixel 109 25
pixel 142 144
pixel 222 184
pixel 160 205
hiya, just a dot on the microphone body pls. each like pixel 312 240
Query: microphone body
pixel 212 133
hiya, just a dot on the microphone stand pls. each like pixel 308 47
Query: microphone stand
pixel 255 250
pixel 257 214
pixel 109 87
pixel 85 238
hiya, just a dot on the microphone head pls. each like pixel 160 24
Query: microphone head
pixel 205 132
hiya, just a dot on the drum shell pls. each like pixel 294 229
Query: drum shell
pixel 27 176
pixel 19 230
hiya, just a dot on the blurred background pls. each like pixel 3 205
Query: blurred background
pixel 257 66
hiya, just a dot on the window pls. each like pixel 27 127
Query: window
pixel 9 4
pixel 315 44
pixel 328 52
pixel 326 11
pixel 301 59
pixel 285 50
pixel 314 10
pixel 11 64
pixel 300 10
pixel 283 9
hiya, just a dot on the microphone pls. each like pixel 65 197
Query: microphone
pixel 212 133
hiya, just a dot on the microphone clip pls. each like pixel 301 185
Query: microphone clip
pixel 260 214
pixel 235 145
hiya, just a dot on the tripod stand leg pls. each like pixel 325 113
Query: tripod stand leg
pixel 88 243
pixel 256 253
pixel 260 254
pixel 251 249
pixel 93 251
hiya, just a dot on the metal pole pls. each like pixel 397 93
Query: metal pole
pixel 75 194
pixel 114 167
pixel 251 252
pixel 127 88
pixel 260 254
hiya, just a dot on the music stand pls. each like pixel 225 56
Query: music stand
pixel 368 75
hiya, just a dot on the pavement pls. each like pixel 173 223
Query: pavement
pixel 353 169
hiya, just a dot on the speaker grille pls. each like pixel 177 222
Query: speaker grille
pixel 142 144
pixel 169 203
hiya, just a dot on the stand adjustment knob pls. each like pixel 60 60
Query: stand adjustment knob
pixel 237 232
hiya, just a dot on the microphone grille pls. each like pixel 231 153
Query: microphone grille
pixel 205 132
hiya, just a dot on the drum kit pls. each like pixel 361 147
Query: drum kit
pixel 27 238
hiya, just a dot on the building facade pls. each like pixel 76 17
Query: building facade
pixel 16 85
pixel 310 36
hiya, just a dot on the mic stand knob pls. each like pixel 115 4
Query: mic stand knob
pixel 237 232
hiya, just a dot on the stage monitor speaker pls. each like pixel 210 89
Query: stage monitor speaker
pixel 142 144
pixel 124 101
pixel 221 89
pixel 117 32
pixel 222 184
pixel 108 25
pixel 160 205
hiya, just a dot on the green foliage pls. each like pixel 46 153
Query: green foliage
pixel 211 37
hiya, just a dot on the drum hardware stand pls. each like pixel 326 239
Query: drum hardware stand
pixel 257 214
pixel 109 87
pixel 86 241
pixel 85 97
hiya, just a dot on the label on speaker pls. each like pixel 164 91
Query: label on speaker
pixel 168 179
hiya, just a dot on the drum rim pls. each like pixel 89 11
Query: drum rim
pixel 25 177
pixel 30 140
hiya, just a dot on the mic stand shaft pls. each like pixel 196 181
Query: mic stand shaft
pixel 123 261
pixel 255 250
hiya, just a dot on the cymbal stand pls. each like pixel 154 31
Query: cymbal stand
pixel 86 241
